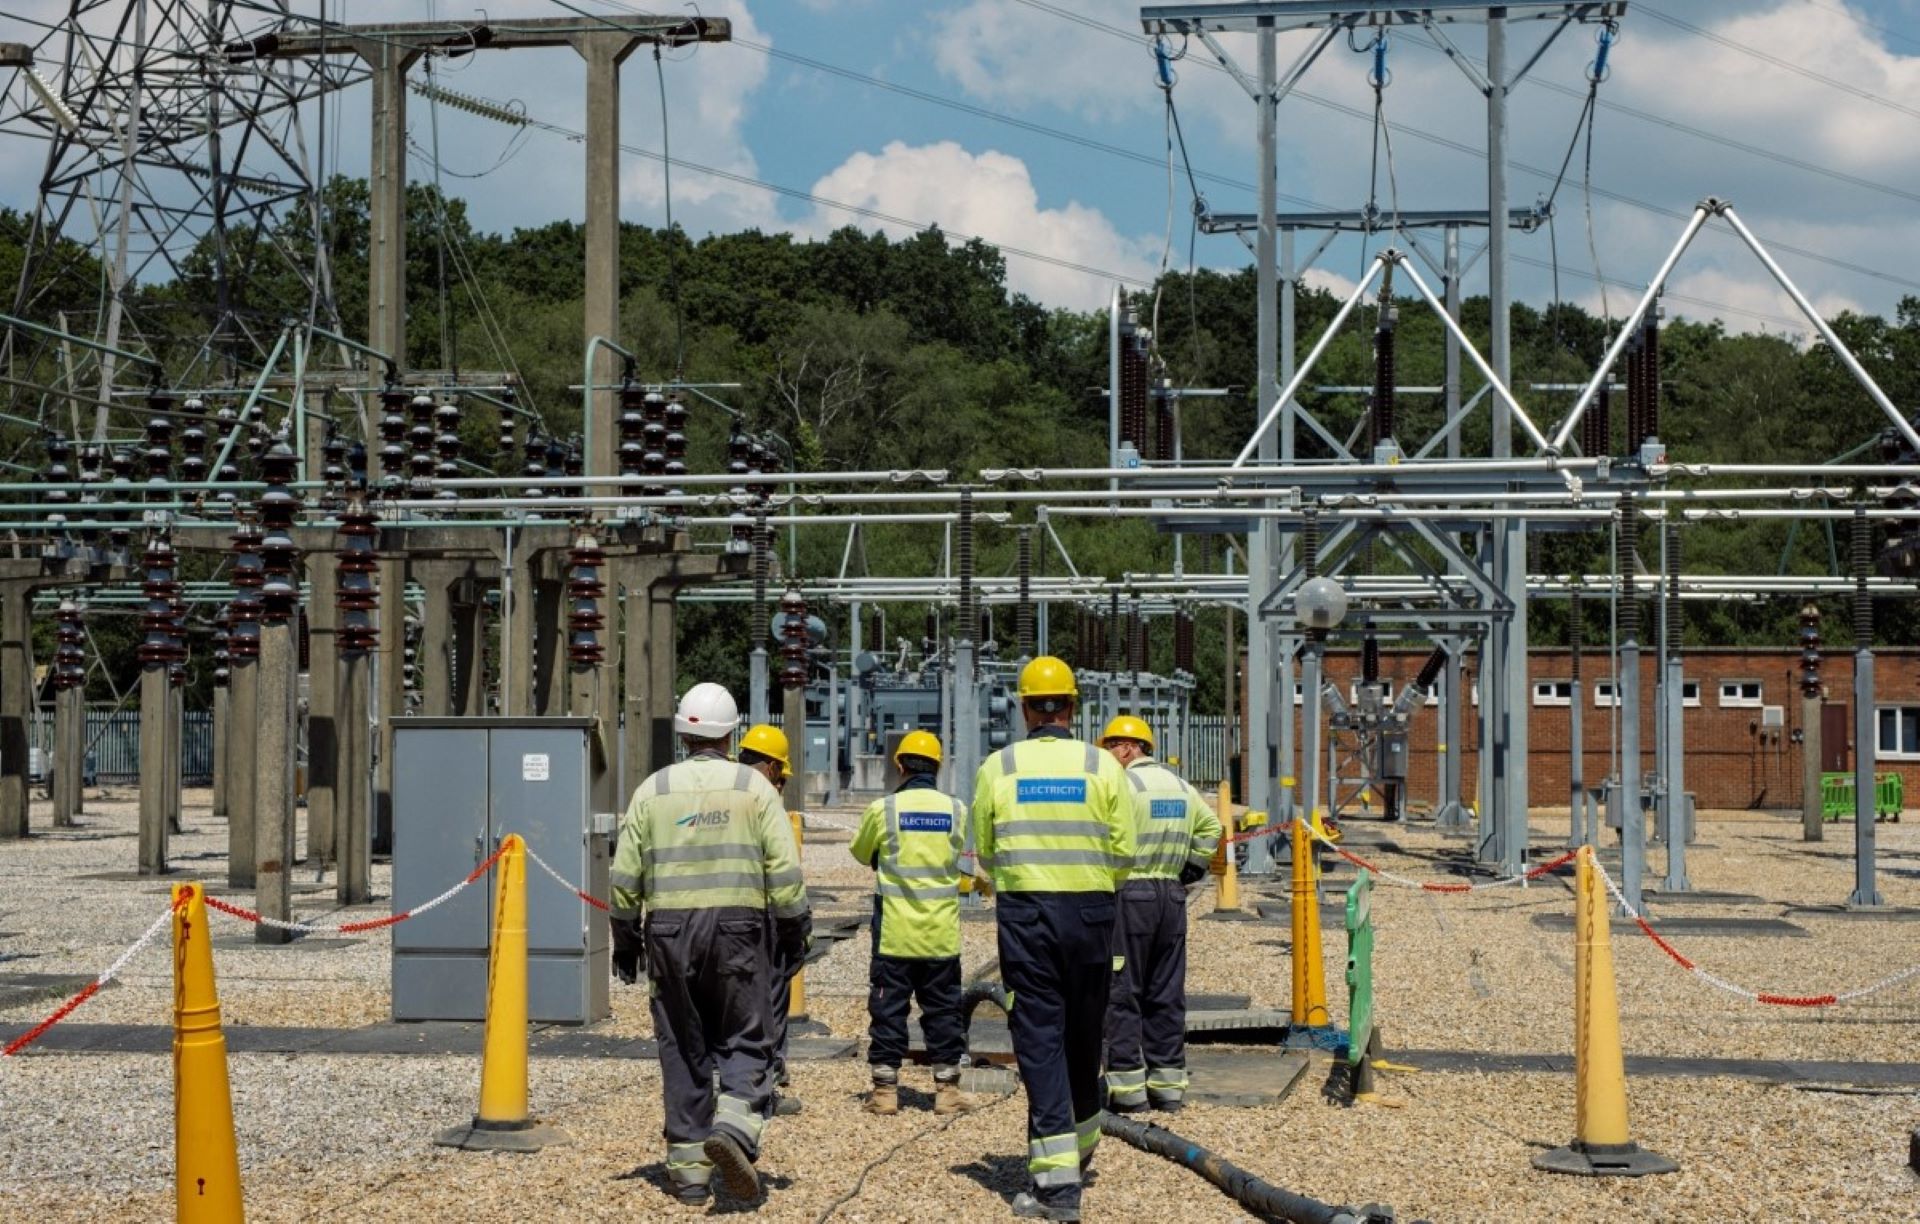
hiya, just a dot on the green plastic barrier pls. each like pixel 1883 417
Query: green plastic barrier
pixel 1361 1037
pixel 1836 796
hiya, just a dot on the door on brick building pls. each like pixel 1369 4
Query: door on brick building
pixel 1836 733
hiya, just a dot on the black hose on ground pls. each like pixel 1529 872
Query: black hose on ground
pixel 1243 1187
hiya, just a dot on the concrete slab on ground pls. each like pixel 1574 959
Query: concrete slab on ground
pixel 1243 1078
pixel 1878 913
pixel 1778 928
pixel 418 1040
pixel 1695 896
pixel 1769 1070
pixel 20 989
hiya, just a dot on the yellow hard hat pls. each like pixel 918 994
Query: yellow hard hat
pixel 768 741
pixel 1047 676
pixel 1127 727
pixel 918 744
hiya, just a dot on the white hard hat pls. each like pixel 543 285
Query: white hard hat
pixel 706 712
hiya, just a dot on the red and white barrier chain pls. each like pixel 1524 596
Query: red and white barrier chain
pixel 1438 886
pixel 92 988
pixel 1742 992
pixel 354 928
pixel 564 882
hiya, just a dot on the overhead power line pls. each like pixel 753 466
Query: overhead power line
pixel 1767 57
pixel 1462 147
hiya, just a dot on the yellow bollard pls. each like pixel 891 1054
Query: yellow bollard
pixel 206 1163
pixel 797 991
pixel 503 1123
pixel 1309 974
pixel 1602 1145
pixel 1226 896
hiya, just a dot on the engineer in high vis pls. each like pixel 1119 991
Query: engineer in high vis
pixel 913 839
pixel 1174 835
pixel 764 749
pixel 1053 826
pixel 707 893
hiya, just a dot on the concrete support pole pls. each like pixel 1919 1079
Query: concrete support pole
pixel 604 51
pixel 243 709
pixel 176 766
pixel 964 750
pixel 438 659
pixel 387 200
pixel 793 720
pixel 390 684
pixel 323 752
pixel 1812 817
pixel 1578 833
pixel 155 700
pixel 1452 815
pixel 273 780
pixel 222 733
pixel 1312 652
pixel 657 715
pixel 69 713
pixel 1676 779
pixel 1265 706
pixel 16 706
pixel 353 831
pixel 1866 889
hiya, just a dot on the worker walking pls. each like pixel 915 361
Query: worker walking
pixel 912 839
pixel 707 854
pixel 1174 835
pixel 764 750
pixel 1053 824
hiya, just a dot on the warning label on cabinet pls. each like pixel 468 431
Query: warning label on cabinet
pixel 534 767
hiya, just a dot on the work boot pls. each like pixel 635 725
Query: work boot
pixel 884 1099
pixel 735 1168
pixel 948 1099
pixel 1169 1106
pixel 693 1196
pixel 1028 1207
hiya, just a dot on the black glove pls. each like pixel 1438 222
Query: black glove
pixel 1192 874
pixel 629 950
pixel 792 937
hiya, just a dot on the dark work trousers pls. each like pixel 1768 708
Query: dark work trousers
pixel 1147 1017
pixel 711 973
pixel 781 979
pixel 893 983
pixel 1056 959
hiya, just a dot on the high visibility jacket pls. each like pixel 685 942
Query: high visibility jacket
pixel 1051 814
pixel 706 833
pixel 1172 825
pixel 916 833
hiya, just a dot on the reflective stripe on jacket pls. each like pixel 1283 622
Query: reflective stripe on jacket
pixel 1051 814
pixel 1172 825
pixel 704 833
pixel 917 835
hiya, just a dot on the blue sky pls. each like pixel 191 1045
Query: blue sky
pixel 1843 100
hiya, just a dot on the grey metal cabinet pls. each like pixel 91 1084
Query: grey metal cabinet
pixel 460 786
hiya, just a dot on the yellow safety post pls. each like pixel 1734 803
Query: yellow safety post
pixel 797 991
pixel 1309 975
pixel 503 1123
pixel 1602 1145
pixel 1226 895
pixel 206 1163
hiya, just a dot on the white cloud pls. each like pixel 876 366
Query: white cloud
pixel 990 195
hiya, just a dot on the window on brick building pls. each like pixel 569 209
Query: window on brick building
pixel 1552 692
pixel 1899 732
pixel 1740 693
pixel 1604 695
pixel 1689 693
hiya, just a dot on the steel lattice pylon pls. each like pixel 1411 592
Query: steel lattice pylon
pixel 169 129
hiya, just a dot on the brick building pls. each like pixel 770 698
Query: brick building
pixel 1742 715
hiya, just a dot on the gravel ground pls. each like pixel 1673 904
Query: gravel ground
pixel 350 1137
